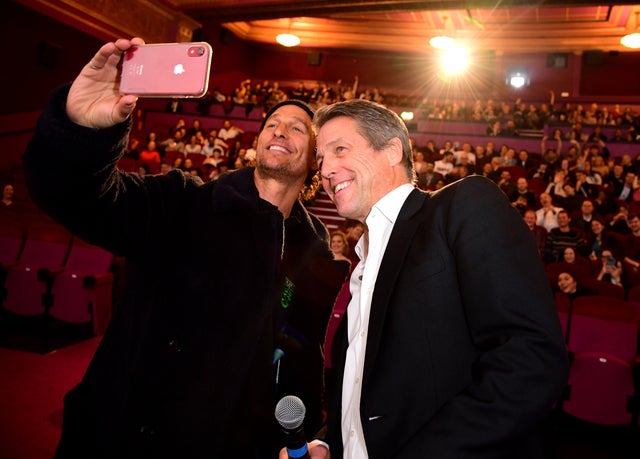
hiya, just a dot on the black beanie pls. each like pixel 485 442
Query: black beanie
pixel 296 102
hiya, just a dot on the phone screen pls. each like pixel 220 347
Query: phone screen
pixel 166 70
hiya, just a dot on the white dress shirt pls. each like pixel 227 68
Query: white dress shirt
pixel 370 249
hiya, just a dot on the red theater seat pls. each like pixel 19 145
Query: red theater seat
pixel 603 339
pixel 83 291
pixel 45 251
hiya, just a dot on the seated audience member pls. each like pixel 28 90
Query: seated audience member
pixel 175 142
pixel 428 179
pixel 216 158
pixel 542 172
pixel 563 236
pixel 570 255
pixel 611 269
pixel 631 250
pixel 571 286
pixel 431 150
pixel 556 187
pixel 547 214
pixel 628 187
pixel 522 191
pixel 419 162
pixel 599 166
pixel 150 154
pixel 133 149
pixel 571 202
pixel 165 168
pixel 618 222
pixel 193 146
pixel 538 232
pixel 592 178
pixel 188 166
pixel 465 155
pixel 482 156
pixel 505 183
pixel 250 156
pixel 354 229
pixel 241 160
pixel 229 132
pixel 340 248
pixel 213 141
pixel 143 169
pixel 194 129
pixel 582 220
pixel 177 163
pixel 8 192
pixel 583 186
pixel 492 170
pixel 601 240
pixel 524 160
pixel 508 159
pixel 445 165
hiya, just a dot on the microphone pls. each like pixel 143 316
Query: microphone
pixel 290 413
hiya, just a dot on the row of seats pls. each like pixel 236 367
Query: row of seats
pixel 47 272
pixel 601 335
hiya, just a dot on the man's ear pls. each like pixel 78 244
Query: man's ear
pixel 394 151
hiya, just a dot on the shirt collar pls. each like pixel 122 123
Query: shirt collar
pixel 391 203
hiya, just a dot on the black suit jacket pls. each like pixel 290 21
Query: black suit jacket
pixel 465 354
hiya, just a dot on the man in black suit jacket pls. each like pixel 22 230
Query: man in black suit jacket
pixel 452 347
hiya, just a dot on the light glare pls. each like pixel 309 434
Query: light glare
pixel 631 41
pixel 454 61
pixel 517 81
pixel 288 40
pixel 442 42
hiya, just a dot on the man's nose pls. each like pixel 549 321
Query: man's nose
pixel 326 169
pixel 280 130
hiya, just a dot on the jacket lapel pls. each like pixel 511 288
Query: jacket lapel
pixel 390 267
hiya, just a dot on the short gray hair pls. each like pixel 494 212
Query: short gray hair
pixel 375 122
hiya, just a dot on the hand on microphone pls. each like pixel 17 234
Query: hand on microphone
pixel 290 413
pixel 316 451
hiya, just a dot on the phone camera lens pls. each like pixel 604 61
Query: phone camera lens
pixel 195 51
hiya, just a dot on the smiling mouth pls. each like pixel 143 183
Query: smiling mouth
pixel 278 148
pixel 341 186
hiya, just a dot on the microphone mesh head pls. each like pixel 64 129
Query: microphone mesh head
pixel 290 412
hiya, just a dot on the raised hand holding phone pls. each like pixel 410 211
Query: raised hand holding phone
pixel 94 98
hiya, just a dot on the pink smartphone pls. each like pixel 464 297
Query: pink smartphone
pixel 166 70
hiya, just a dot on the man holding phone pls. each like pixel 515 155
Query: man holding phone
pixel 205 341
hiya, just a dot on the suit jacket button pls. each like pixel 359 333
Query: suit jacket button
pixel 174 346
